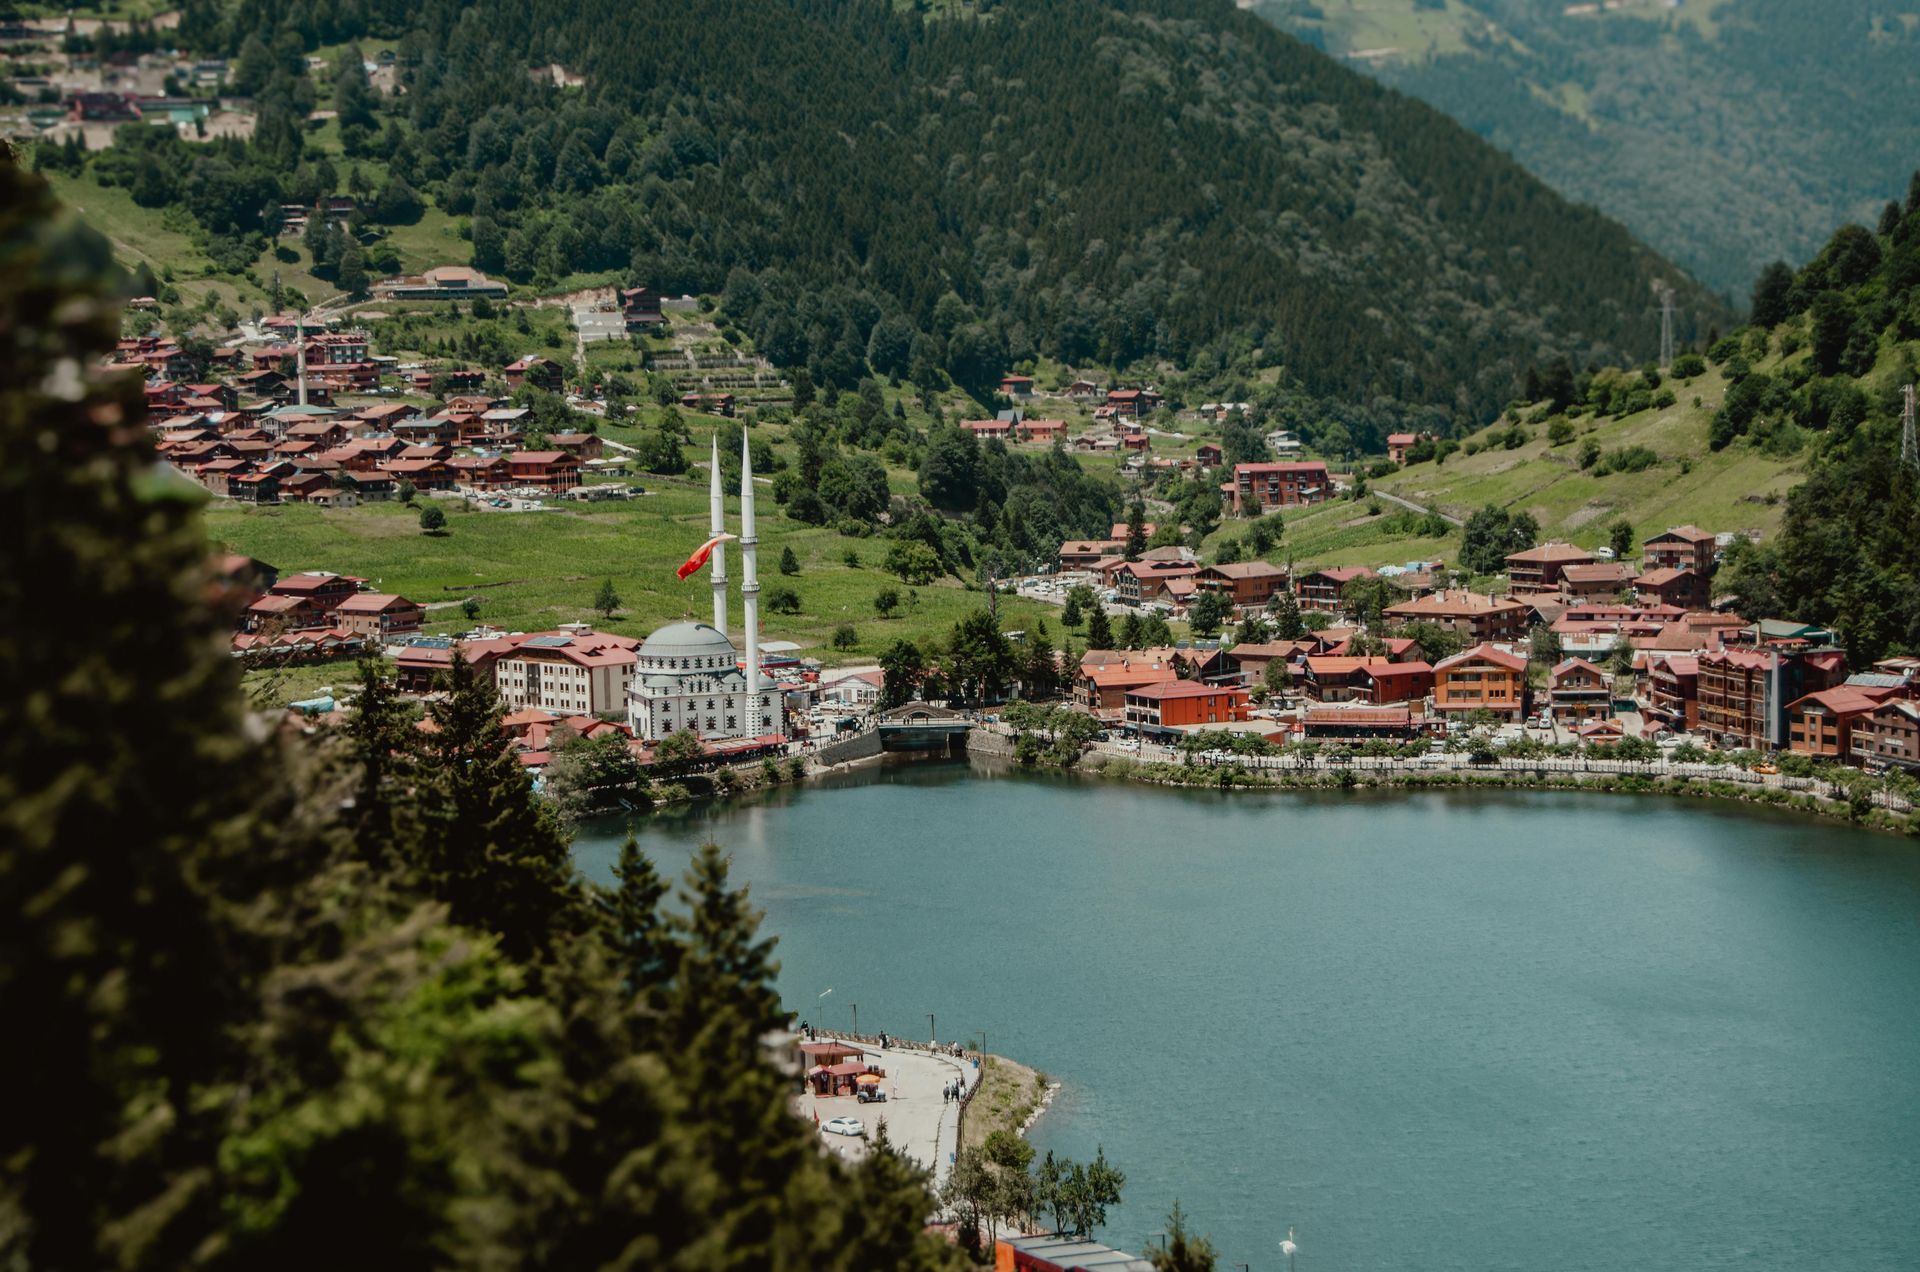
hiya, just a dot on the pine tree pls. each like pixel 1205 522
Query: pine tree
pixel 1099 627
pixel 132 860
pixel 380 738
pixel 487 848
pixel 643 945
pixel 1136 530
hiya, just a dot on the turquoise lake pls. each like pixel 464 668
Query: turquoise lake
pixel 1505 1030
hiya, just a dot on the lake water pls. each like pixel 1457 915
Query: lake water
pixel 1509 1030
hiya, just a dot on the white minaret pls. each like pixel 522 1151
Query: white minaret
pixel 717 499
pixel 750 587
pixel 300 347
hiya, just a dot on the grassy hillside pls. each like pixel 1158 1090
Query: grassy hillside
pixel 535 570
pixel 1740 488
pixel 1717 130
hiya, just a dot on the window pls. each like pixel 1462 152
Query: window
pixel 731 725
pixel 710 724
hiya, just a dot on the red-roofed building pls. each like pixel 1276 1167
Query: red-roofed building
pixel 1673 692
pixel 1578 690
pixel 1821 724
pixel 1336 678
pixel 1259 488
pixel 1467 614
pixel 1017 386
pixel 1362 724
pixel 549 470
pixel 1248 584
pixel 1681 548
pixel 1538 569
pixel 541 373
pixel 1744 693
pixel 1321 589
pixel 1483 678
pixel 983 429
pixel 378 614
pixel 1398 444
pixel 283 613
pixel 481 472
pixel 1141 581
pixel 1133 403
pixel 1102 689
pixel 1888 736
pixel 1682 589
pixel 325 590
pixel 1170 706
pixel 572 670
pixel 582 446
pixel 1041 432
pixel 1385 683
pixel 1596 581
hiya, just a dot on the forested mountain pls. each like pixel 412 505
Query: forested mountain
pixel 325 1001
pixel 1726 133
pixel 1158 179
pixel 1847 326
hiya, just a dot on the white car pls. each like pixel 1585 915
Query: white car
pixel 845 1126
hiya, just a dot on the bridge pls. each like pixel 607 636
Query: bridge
pixel 921 726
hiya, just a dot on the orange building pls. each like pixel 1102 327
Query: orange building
pixel 1176 704
pixel 1481 678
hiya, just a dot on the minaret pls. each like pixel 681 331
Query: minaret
pixel 750 587
pixel 300 346
pixel 716 497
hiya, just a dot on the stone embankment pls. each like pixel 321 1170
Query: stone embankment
pixel 991 743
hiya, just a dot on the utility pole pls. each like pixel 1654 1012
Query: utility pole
pixel 1909 439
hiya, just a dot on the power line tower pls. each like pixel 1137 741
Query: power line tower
pixel 1909 437
pixel 1666 327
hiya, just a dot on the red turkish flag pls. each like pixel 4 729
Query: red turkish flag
pixel 699 558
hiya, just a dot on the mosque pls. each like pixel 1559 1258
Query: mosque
pixel 690 675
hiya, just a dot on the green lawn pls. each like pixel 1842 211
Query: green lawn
pixel 533 571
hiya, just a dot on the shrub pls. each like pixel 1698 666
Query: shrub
pixel 845 637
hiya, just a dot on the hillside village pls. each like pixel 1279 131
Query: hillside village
pixel 1576 646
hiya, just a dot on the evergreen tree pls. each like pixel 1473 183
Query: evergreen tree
pixel 1099 627
pixel 644 948
pixel 1285 608
pixel 1773 295
pixel 380 737
pixel 606 600
pixel 351 275
pixel 487 848
pixel 1136 530
pixel 1184 1251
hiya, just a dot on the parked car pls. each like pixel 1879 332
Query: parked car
pixel 871 1095
pixel 845 1126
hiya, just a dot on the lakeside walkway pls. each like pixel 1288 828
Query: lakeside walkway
pixel 1577 768
pixel 921 1124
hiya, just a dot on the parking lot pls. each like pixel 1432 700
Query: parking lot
pixel 599 324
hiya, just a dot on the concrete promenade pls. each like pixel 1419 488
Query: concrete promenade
pixel 921 1125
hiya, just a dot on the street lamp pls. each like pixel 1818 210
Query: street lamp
pixel 856 1020
pixel 1288 1248
pixel 933 1035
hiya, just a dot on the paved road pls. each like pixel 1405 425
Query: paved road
pixel 919 1122
pixel 1409 504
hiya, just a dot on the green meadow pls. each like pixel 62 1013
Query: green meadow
pixel 534 570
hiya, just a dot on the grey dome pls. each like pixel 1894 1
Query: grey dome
pixel 687 640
